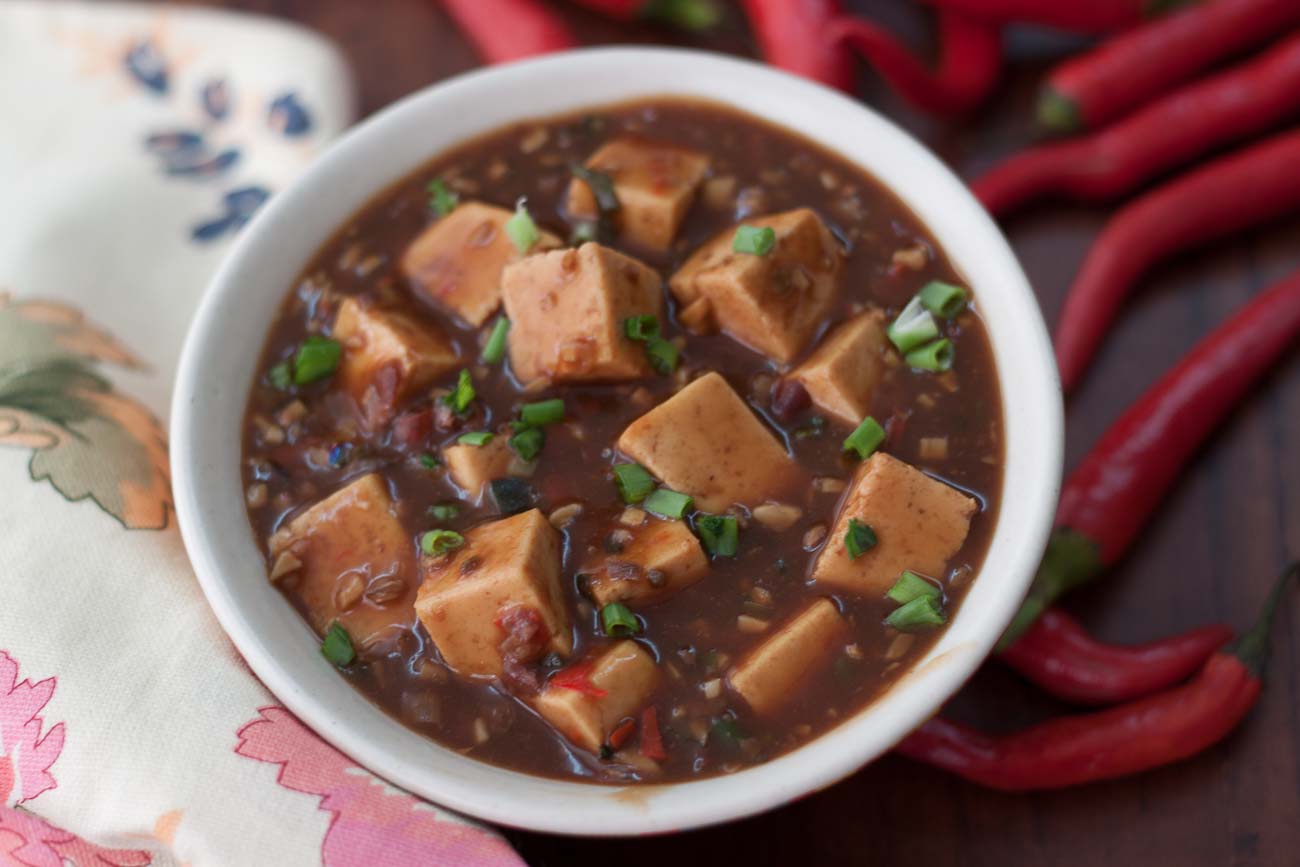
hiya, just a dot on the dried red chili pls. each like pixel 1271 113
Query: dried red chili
pixel 792 34
pixel 1079 16
pixel 970 57
pixel 1116 742
pixel 1235 192
pixel 1132 68
pixel 621 734
pixel 652 741
pixel 1232 105
pixel 504 30
pixel 1110 495
pixel 577 678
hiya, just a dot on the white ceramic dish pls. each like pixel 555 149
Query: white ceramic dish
pixel 224 342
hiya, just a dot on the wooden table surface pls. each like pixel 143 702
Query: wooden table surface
pixel 1210 555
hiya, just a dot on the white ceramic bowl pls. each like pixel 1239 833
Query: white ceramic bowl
pixel 224 342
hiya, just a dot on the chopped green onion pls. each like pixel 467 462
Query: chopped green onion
pixel 914 326
pixel 337 646
pixel 601 186
pixel 911 586
pixel 619 621
pixel 942 299
pixel 719 533
pixel 495 348
pixel 642 327
pixel 511 496
pixel 758 240
pixel 444 511
pixel 528 442
pixel 475 438
pixel 428 461
pixel 317 358
pixel 921 613
pixel 521 228
pixel 935 357
pixel 727 732
pixel 582 233
pixel 543 411
pixel 280 376
pixel 859 538
pixel 668 504
pixel 634 483
pixel 436 542
pixel 663 355
pixel 442 200
pixel 463 395
pixel 865 439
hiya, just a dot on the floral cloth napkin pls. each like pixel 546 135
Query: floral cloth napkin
pixel 136 142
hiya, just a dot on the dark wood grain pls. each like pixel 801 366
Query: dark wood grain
pixel 1210 554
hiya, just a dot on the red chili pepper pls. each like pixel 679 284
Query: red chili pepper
pixel 1130 69
pixel 792 35
pixel 1137 736
pixel 1235 104
pixel 577 678
pixel 621 734
pixel 688 14
pixel 504 30
pixel 1110 495
pixel 970 57
pixel 1232 193
pixel 1079 16
pixel 1059 655
pixel 652 741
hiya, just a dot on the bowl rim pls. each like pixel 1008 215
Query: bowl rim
pixel 1033 423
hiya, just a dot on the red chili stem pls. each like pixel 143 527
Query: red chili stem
pixel 1235 192
pixel 1232 105
pixel 1112 493
pixel 652 741
pixel 1078 16
pixel 1059 655
pixel 504 30
pixel 792 34
pixel 970 57
pixel 1116 742
pixel 1134 67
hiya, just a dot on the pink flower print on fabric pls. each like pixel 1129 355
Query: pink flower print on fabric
pixel 373 823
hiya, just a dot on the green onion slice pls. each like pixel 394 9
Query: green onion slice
pixel 542 412
pixel 337 646
pixel 758 240
pixel 428 461
pixel 437 542
pixel 463 395
pixel 865 439
pixel 521 228
pixel 317 357
pixel 634 483
pixel 921 613
pixel 619 621
pixel 663 355
pixel 444 511
pixel 442 200
pixel 942 299
pixel 859 538
pixel 280 376
pixel 726 731
pixel 601 186
pixel 719 533
pixel 528 442
pixel 475 438
pixel 935 357
pixel 914 326
pixel 641 327
pixel 495 348
pixel 911 586
pixel 668 503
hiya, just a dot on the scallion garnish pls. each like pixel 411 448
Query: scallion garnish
pixel 663 355
pixel 475 438
pixel 436 542
pixel 280 376
pixel 935 357
pixel 495 348
pixel 527 442
pixel 668 504
pixel 521 228
pixel 542 412
pixel 719 533
pixel 317 357
pixel 922 612
pixel 619 621
pixel 911 586
pixel 463 395
pixel 444 511
pixel 428 461
pixel 727 732
pixel 914 326
pixel 758 240
pixel 865 439
pixel 601 186
pixel 942 299
pixel 858 539
pixel 337 646
pixel 442 200
pixel 634 483
pixel 641 327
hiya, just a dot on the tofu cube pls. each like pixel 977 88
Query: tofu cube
pixel 919 522
pixel 627 675
pixel 357 563
pixel 772 673
pixel 705 441
pixel 567 309
pixel 773 303
pixel 456 262
pixel 465 594
pixel 655 183
pixel 386 357
pixel 843 371
pixel 662 558
pixel 472 467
